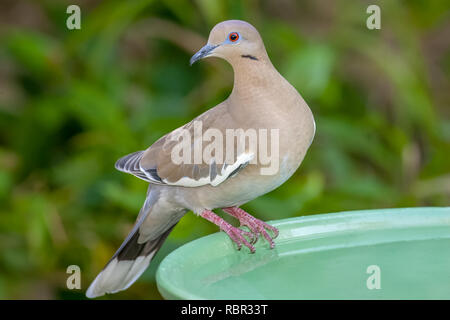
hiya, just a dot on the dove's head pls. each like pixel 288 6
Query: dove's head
pixel 234 41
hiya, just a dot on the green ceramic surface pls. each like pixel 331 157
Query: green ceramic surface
pixel 326 256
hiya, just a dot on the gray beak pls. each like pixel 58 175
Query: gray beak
pixel 202 53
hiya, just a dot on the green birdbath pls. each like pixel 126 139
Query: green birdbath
pixel 372 254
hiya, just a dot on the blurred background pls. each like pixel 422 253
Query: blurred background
pixel 73 101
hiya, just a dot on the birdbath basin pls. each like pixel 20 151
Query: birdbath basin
pixel 371 254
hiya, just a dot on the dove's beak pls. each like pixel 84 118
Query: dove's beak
pixel 203 53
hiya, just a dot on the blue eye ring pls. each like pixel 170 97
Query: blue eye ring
pixel 233 36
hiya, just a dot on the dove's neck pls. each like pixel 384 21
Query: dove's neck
pixel 257 82
pixel 259 89
pixel 253 76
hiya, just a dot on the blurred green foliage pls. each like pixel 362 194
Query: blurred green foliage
pixel 73 102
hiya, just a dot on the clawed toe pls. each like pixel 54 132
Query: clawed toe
pixel 238 237
pixel 259 227
pixel 251 234
pixel 256 226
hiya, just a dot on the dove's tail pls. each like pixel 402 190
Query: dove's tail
pixel 131 259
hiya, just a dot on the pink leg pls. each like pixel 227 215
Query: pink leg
pixel 256 226
pixel 236 234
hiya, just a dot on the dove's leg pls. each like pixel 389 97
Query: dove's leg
pixel 256 226
pixel 236 234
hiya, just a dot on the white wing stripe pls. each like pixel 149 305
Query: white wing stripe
pixel 242 159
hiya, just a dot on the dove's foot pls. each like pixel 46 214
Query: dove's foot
pixel 256 226
pixel 235 234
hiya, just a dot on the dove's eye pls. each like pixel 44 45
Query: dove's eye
pixel 234 36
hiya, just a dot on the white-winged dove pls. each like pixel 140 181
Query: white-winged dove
pixel 261 101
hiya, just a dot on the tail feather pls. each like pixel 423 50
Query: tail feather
pixel 127 264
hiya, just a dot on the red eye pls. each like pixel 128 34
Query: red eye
pixel 234 36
